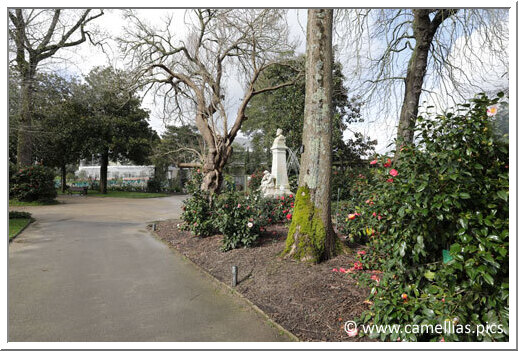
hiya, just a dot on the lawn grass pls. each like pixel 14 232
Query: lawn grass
pixel 14 202
pixel 16 225
pixel 126 194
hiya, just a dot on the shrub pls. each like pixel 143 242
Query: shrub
pixel 254 182
pixel 438 224
pixel 153 186
pixel 239 217
pixel 197 213
pixel 34 183
pixel 19 214
pixel 235 219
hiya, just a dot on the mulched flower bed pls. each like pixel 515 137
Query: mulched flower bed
pixel 311 301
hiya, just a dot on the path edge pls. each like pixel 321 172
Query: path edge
pixel 32 220
pixel 228 288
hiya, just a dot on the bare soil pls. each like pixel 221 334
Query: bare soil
pixel 310 300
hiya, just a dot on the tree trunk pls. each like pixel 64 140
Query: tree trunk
pixel 24 147
pixel 311 236
pixel 103 182
pixel 424 31
pixel 213 167
pixel 63 178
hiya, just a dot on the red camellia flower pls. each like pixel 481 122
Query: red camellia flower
pixel 390 180
pixel 288 216
pixel 373 162
pixel 291 195
pixel 388 163
pixel 373 214
pixel 362 252
pixel 282 197
pixel 393 172
pixel 351 216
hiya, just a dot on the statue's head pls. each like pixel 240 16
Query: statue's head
pixel 279 132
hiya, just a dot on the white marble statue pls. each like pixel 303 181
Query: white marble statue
pixel 278 184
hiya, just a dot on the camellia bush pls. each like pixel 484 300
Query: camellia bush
pixel 235 219
pixel 239 217
pixel 197 213
pixel 34 183
pixel 437 224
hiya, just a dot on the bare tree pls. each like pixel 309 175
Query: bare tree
pixel 36 36
pixel 194 75
pixel 404 52
pixel 311 236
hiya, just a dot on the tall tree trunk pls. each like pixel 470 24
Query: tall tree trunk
pixel 63 178
pixel 24 146
pixel 311 236
pixel 424 30
pixel 103 182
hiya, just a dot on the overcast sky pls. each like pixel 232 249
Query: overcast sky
pixel 80 60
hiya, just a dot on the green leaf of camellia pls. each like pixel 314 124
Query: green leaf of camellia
pixel 428 312
pixel 502 194
pixel 429 275
pixel 488 278
pixel 402 249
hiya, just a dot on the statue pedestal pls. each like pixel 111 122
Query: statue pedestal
pixel 279 168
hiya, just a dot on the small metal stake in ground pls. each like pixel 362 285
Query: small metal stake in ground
pixel 154 227
pixel 234 276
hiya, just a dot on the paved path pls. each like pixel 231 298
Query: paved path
pixel 88 270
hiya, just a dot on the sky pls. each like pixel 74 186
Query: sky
pixel 379 123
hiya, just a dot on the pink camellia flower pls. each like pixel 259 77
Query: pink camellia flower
pixel 492 110
pixel 373 214
pixel 388 163
pixel 390 180
pixel 238 205
pixel 375 278
pixel 335 270
pixel 358 265
pixel 379 217
pixel 284 211
pixel 353 332
pixel 362 252
pixel 291 195
pixel 351 216
pixel 342 270
pixel 373 162
pixel 288 216
pixel 393 172
pixel 442 339
pixel 356 214
pixel 282 197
